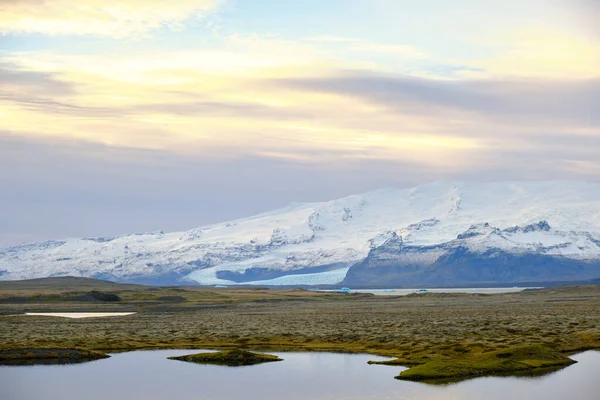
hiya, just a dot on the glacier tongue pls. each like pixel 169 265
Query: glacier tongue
pixel 318 242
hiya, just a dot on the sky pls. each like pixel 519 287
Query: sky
pixel 141 115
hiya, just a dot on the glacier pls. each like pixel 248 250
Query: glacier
pixel 437 233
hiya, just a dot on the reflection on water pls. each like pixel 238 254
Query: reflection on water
pixel 535 373
pixel 320 376
pixel 46 361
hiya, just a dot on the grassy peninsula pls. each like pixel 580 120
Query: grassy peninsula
pixel 48 356
pixel 438 335
pixel 513 359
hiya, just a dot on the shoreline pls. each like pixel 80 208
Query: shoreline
pixel 436 370
pixel 436 331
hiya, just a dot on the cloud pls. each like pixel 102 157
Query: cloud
pixel 50 106
pixel 93 190
pixel 14 76
pixel 211 107
pixel 541 53
pixel 586 14
pixel 44 92
pixel 278 110
pixel 123 18
pixel 571 102
pixel 90 189
pixel 148 138
pixel 367 47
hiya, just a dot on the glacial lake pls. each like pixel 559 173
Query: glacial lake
pixel 404 292
pixel 316 376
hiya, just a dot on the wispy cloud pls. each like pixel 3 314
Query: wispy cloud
pixel 278 110
pixel 122 18
pixel 570 102
pixel 367 47
pixel 541 53
pixel 15 78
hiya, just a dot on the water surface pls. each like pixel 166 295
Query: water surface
pixel 80 314
pixel 404 292
pixel 317 376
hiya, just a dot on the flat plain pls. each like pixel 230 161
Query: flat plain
pixel 417 329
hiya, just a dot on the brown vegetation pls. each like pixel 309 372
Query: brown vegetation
pixel 415 329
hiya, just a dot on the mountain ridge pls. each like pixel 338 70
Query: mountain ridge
pixel 320 242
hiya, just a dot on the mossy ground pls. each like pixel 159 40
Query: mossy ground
pixel 230 358
pixel 478 363
pixel 48 356
pixel 414 329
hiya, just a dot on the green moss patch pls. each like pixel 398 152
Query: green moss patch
pixel 500 362
pixel 230 358
pixel 48 356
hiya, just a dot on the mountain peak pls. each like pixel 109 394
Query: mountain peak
pixel 478 230
pixel 542 226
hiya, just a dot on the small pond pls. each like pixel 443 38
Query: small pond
pixel 78 315
pixel 317 376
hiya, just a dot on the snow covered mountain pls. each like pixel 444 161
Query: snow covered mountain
pixel 439 233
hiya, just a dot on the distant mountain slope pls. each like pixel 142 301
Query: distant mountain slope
pixel 440 232
pixel 64 283
pixel 533 253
